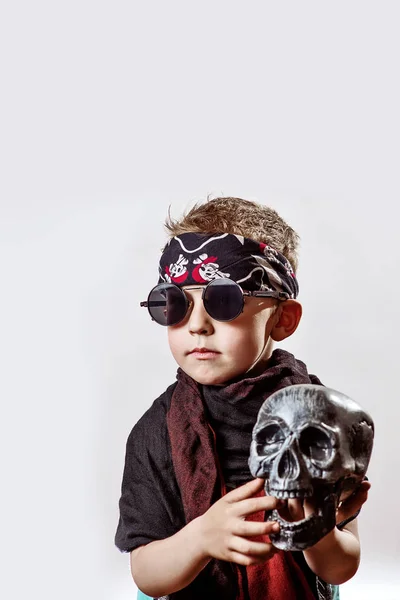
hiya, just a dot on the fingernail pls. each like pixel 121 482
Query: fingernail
pixel 275 527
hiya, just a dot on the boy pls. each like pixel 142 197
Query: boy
pixel 191 515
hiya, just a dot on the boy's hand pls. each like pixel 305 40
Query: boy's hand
pixel 297 509
pixel 225 533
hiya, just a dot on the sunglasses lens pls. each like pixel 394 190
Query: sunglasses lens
pixel 167 304
pixel 223 300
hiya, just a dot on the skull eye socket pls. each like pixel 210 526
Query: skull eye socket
pixel 270 439
pixel 315 444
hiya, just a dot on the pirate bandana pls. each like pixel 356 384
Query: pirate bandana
pixel 193 259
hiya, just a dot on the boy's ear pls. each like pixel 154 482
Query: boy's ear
pixel 289 315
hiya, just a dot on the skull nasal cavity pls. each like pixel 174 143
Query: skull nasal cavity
pixel 288 466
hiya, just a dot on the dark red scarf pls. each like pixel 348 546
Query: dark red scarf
pixel 201 484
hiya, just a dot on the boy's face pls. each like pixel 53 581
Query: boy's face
pixel 234 347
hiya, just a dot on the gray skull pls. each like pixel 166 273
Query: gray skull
pixel 308 441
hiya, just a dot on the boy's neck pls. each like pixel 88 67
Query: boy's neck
pixel 262 362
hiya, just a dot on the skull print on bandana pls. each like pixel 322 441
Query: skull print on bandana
pixel 177 272
pixel 207 269
pixel 310 441
pixel 193 258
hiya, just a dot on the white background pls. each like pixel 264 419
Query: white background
pixel 111 111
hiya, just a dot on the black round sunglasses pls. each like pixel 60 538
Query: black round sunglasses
pixel 223 300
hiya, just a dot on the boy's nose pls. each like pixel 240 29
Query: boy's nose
pixel 199 319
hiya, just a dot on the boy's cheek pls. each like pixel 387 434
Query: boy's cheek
pixel 175 342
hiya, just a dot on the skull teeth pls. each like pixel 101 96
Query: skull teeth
pixel 285 494
pixel 292 525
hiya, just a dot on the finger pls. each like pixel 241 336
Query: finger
pixel 250 559
pixel 358 497
pixel 253 505
pixel 245 491
pixel 253 528
pixel 309 506
pixel 351 505
pixel 365 486
pixel 249 548
pixel 295 509
pixel 291 510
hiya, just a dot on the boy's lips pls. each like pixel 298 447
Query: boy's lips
pixel 203 353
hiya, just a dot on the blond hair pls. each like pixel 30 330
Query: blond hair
pixel 241 217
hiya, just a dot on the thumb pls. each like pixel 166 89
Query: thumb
pixel 351 505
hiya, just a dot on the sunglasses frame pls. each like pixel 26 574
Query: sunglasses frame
pixel 282 296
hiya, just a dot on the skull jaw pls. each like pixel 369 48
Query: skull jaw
pixel 300 535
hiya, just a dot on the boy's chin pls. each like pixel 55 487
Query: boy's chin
pixel 208 380
pixel 211 378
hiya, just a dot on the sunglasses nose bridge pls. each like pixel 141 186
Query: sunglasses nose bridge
pixel 189 306
pixel 197 316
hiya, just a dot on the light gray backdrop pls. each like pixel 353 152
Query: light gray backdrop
pixel 111 111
